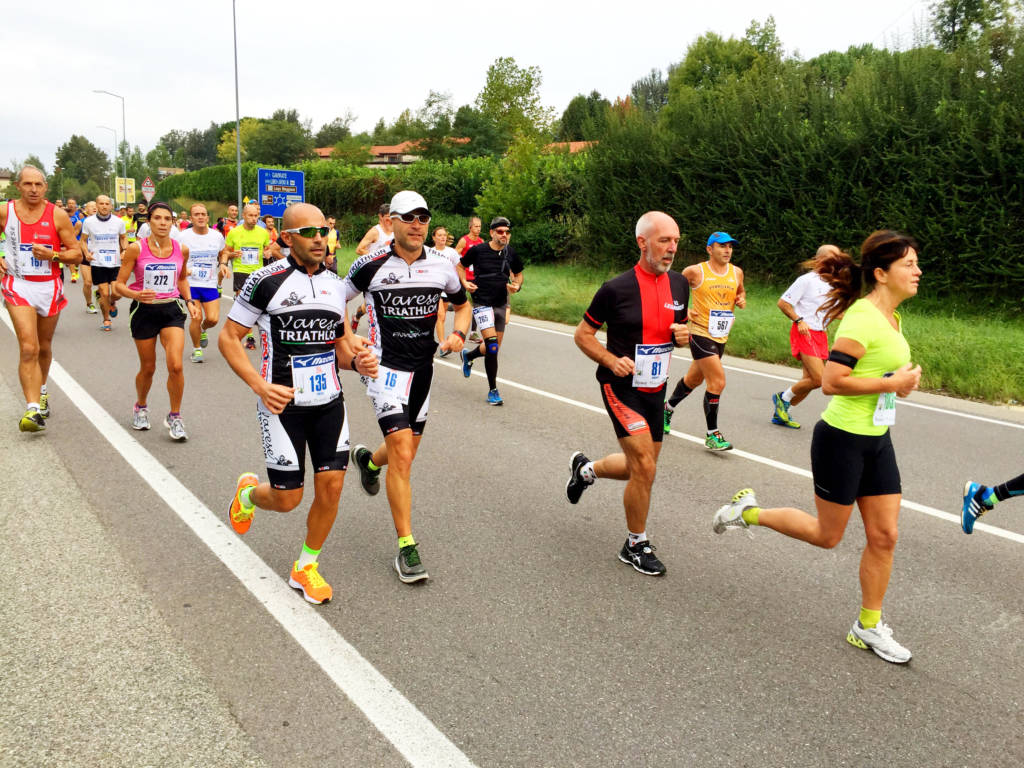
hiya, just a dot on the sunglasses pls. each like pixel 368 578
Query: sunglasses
pixel 502 231
pixel 309 232
pixel 409 218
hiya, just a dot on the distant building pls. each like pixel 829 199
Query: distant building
pixel 6 179
pixel 389 155
pixel 572 147
pixel 163 173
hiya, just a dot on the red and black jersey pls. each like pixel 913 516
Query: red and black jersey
pixel 638 308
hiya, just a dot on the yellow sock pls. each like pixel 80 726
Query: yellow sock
pixel 751 515
pixel 405 541
pixel 869 618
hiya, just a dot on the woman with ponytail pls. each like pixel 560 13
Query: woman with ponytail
pixel 852 457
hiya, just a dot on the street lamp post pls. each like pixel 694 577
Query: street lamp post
pixel 238 128
pixel 113 160
pixel 124 138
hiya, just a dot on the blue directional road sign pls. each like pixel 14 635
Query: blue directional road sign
pixel 279 189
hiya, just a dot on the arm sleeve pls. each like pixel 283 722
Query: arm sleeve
pixel 469 258
pixel 453 288
pixel 515 263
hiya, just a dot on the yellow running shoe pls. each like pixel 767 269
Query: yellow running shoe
pixel 241 517
pixel 312 584
pixel 44 406
pixel 32 421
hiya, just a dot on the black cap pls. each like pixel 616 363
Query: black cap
pixel 500 221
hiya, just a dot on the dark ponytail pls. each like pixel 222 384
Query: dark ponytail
pixel 848 280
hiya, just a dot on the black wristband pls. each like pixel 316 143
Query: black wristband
pixel 354 358
pixel 798 320
pixel 460 334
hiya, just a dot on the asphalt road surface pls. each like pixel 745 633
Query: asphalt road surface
pixel 531 644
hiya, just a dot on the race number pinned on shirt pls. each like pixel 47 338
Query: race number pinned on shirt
pixel 250 256
pixel 720 323
pixel 484 317
pixel 202 269
pixel 885 408
pixel 391 384
pixel 159 277
pixel 315 378
pixel 650 364
pixel 29 264
pixel 106 251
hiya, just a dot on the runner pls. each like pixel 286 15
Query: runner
pixel 441 238
pixel 808 342
pixel 206 252
pixel 466 242
pixel 160 303
pixel 852 457
pixel 76 216
pixel 717 287
pixel 224 226
pixel 140 217
pixel 332 241
pixel 245 249
pixel 85 269
pixel 645 310
pixel 402 306
pixel 103 241
pixel 379 235
pixel 979 499
pixel 498 272
pixel 38 239
pixel 299 307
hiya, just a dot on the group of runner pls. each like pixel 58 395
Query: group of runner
pixel 285 289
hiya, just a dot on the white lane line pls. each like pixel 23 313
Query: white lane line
pixel 938 513
pixel 398 719
pixel 779 377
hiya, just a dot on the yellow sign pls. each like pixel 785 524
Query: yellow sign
pixel 125 191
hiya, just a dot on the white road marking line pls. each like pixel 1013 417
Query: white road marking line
pixel 938 513
pixel 779 377
pixel 412 734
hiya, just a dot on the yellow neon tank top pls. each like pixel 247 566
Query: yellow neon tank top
pixel 715 294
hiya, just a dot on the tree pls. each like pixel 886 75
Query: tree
pixel 226 147
pixel 352 151
pixel 158 157
pixel 484 139
pixel 83 160
pixel 510 99
pixel 955 22
pixel 650 93
pixel 584 119
pixel 764 38
pixel 277 142
pixel 331 133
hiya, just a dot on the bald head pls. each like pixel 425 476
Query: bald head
pixel 657 235
pixel 827 250
pixel 302 215
pixel 650 220
pixel 29 172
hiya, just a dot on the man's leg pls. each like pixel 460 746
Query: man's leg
pixel 399 451
pixel 26 329
pixel 86 272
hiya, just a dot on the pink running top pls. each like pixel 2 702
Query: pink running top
pixel 160 275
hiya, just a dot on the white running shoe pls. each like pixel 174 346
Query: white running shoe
pixel 140 418
pixel 731 514
pixel 176 428
pixel 878 639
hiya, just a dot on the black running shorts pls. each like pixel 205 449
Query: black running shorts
pixel 847 466
pixel 102 275
pixel 634 412
pixel 285 436
pixel 147 320
pixel 702 346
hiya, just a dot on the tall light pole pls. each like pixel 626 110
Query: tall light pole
pixel 113 162
pixel 238 127
pixel 124 138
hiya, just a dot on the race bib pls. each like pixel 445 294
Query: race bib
pixel 203 270
pixel 250 257
pixel 484 317
pixel 391 384
pixel 885 408
pixel 159 277
pixel 104 258
pixel 650 364
pixel 29 264
pixel 315 378
pixel 720 322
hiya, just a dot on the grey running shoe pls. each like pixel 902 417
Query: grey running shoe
pixel 731 515
pixel 641 556
pixel 176 428
pixel 370 478
pixel 878 639
pixel 576 485
pixel 408 565
pixel 140 417
pixel 197 355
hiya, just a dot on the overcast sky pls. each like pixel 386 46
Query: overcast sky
pixel 175 68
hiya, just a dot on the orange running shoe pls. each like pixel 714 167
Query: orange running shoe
pixel 241 518
pixel 312 584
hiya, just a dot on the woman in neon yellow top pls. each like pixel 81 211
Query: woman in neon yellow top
pixel 852 457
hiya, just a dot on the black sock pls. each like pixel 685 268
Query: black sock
pixel 1010 488
pixel 711 411
pixel 679 393
pixel 474 353
pixel 491 368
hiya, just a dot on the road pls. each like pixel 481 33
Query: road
pixel 531 644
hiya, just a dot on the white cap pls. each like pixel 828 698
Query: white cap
pixel 407 201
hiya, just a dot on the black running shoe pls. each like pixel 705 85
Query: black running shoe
pixel 576 485
pixel 370 478
pixel 641 556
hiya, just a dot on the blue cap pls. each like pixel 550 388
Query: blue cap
pixel 721 237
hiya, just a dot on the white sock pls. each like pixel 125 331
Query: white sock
pixel 305 558
pixel 42 390
pixel 32 406
pixel 788 395
pixel 587 472
pixel 636 538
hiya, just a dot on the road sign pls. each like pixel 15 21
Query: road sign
pixel 125 191
pixel 279 189
pixel 148 189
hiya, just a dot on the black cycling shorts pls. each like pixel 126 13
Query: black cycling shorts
pixel 702 346
pixel 847 466
pixel 147 320
pixel 634 412
pixel 393 415
pixel 285 436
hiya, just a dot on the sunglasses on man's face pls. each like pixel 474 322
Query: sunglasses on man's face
pixel 409 218
pixel 309 232
pixel 502 231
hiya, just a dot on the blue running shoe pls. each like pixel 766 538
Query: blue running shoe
pixel 467 365
pixel 973 506
pixel 493 398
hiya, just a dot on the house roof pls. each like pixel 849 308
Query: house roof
pixel 571 146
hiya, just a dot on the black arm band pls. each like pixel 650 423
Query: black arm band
pixel 460 334
pixel 842 358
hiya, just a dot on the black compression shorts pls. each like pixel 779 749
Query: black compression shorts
pixel 702 346
pixel 147 320
pixel 634 412
pixel 285 437
pixel 847 466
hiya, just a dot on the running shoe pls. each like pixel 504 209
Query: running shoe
pixel 44 405
pixel 731 514
pixel 197 355
pixel 113 310
pixel 973 506
pixel 312 584
pixel 717 442
pixel 74 275
pixel 241 516
pixel 878 639
pixel 91 309
pixel 408 565
pixel 204 340
pixel 577 484
pixel 140 417
pixel 444 353
pixel 668 411
pixel 467 365
pixel 493 398
pixel 370 478
pixel 106 327
pixel 474 338
pixel 32 421
pixel 250 342
pixel 781 416
pixel 641 556
pixel 176 428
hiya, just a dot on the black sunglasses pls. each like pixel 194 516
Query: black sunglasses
pixel 309 232
pixel 409 218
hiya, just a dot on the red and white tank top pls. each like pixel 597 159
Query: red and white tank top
pixel 158 274
pixel 20 237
